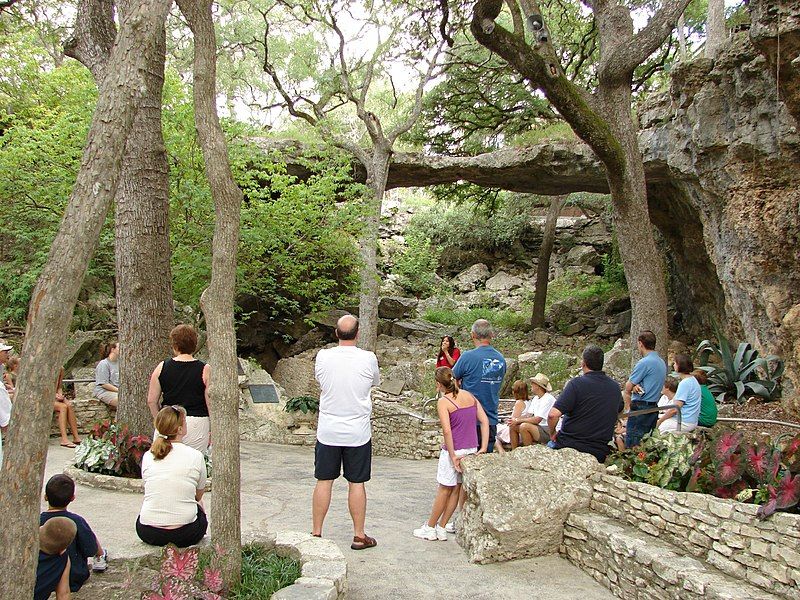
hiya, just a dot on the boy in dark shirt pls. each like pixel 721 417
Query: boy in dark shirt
pixel 590 405
pixel 59 492
pixel 52 570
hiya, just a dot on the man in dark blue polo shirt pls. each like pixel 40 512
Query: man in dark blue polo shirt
pixel 590 405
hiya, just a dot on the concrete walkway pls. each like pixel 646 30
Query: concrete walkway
pixel 277 482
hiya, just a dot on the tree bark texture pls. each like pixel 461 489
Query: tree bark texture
pixel 57 289
pixel 377 174
pixel 543 267
pixel 144 281
pixel 716 32
pixel 218 299
pixel 604 121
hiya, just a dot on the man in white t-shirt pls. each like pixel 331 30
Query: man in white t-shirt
pixel 346 375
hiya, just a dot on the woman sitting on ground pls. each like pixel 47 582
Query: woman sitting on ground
pixel 448 353
pixel 66 414
pixel 522 396
pixel 183 381
pixel 106 375
pixel 687 396
pixel 174 478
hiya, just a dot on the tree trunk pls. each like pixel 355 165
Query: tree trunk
pixel 144 281
pixel 643 263
pixel 543 268
pixel 716 32
pixel 377 174
pixel 682 38
pixel 56 293
pixel 218 299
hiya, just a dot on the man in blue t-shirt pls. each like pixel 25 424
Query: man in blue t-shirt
pixel 481 372
pixel 590 405
pixel 643 389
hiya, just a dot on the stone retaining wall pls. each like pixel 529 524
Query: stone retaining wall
pixel 88 411
pixel 398 432
pixel 724 533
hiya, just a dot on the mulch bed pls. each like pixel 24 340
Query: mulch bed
pixel 755 408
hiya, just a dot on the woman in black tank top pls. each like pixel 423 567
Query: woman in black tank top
pixel 181 381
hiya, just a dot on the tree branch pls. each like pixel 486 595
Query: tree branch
pixel 626 57
pixel 93 37
pixel 572 102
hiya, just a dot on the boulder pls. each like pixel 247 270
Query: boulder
pixel 517 502
pixel 617 361
pixel 503 281
pixel 624 319
pixel 529 357
pixel 612 329
pixel 315 338
pixel 617 305
pixel 471 277
pixel 83 347
pixel 573 328
pixel 296 375
pixel 327 318
pixel 583 256
pixel 396 307
pixel 414 328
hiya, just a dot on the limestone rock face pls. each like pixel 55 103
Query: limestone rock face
pixel 617 361
pixel 296 375
pixel 517 502
pixel 583 255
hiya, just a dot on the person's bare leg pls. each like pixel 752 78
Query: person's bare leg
pixel 357 503
pixel 439 504
pixel 450 508
pixel 498 447
pixel 320 502
pixel 61 409
pixel 73 424
pixel 527 434
pixel 514 431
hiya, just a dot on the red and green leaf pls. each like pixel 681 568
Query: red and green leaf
pixel 180 565
pixel 727 444
pixel 729 469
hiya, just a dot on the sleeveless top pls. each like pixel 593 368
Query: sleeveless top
pixel 463 426
pixel 182 385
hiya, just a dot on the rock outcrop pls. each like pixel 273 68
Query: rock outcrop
pixel 517 502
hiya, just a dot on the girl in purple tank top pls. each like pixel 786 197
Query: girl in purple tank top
pixel 459 414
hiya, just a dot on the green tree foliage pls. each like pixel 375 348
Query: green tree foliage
pixel 296 250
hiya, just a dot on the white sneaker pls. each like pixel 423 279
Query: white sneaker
pixel 450 527
pixel 426 532
pixel 100 563
pixel 441 534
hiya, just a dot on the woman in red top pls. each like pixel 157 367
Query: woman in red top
pixel 448 353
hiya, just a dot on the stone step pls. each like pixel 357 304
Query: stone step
pixel 635 565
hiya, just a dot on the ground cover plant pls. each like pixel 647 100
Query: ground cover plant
pixel 725 464
pixel 111 449
pixel 194 574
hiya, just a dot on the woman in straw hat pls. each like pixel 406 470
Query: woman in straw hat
pixel 530 427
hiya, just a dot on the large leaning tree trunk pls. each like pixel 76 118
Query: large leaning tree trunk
pixel 56 292
pixel 144 283
pixel 218 299
pixel 545 251
pixel 603 120
pixel 716 31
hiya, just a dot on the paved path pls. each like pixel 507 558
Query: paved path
pixel 276 494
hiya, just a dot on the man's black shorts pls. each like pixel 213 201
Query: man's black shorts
pixel 357 462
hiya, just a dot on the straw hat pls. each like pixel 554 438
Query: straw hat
pixel 56 535
pixel 542 381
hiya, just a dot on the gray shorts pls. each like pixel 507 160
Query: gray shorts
pixel 107 397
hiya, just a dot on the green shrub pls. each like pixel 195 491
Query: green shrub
pixel 558 366
pixel 303 404
pixel 581 287
pixel 264 573
pixel 416 265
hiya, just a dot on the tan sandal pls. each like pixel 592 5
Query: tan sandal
pixel 362 543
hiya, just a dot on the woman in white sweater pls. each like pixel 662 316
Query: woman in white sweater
pixel 174 477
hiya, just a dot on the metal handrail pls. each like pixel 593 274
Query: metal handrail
pixel 77 381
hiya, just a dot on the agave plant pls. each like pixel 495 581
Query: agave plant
pixel 741 373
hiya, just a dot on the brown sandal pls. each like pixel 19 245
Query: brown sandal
pixel 362 543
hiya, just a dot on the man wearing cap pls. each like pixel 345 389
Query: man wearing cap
pixel 5 400
pixel 533 429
